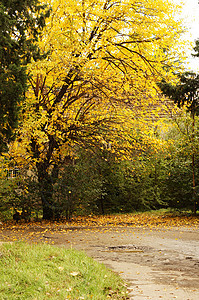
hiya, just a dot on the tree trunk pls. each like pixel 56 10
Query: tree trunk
pixel 102 205
pixel 46 191
pixel 193 162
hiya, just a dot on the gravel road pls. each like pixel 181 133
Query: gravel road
pixel 156 263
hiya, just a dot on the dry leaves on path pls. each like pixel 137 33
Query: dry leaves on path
pixel 144 220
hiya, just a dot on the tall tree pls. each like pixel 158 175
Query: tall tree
pixel 21 22
pixel 104 59
pixel 186 93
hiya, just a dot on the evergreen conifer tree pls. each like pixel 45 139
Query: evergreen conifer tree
pixel 20 24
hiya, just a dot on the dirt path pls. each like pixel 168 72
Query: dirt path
pixel 157 264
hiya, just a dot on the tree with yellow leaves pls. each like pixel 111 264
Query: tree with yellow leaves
pixel 104 59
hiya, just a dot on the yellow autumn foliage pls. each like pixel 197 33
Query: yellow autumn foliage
pixel 97 83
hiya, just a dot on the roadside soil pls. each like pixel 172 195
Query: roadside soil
pixel 155 263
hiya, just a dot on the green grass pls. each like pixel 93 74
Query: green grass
pixel 47 272
pixel 168 211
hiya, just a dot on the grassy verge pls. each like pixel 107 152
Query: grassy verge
pixel 46 272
